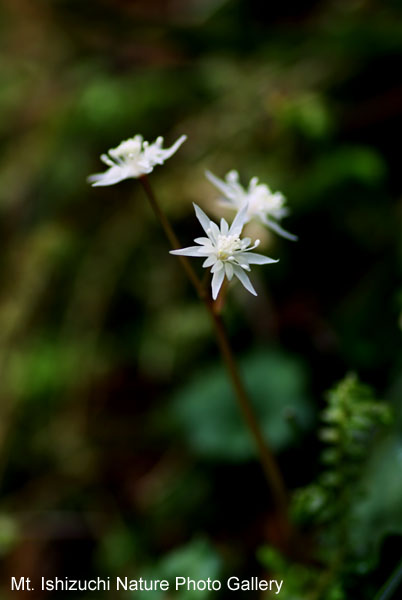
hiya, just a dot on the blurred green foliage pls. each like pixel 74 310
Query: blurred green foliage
pixel 350 419
pixel 197 560
pixel 212 422
pixel 340 508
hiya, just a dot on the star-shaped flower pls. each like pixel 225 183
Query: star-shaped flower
pixel 264 205
pixel 224 251
pixel 133 158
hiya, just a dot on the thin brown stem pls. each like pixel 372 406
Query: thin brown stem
pixel 171 236
pixel 267 459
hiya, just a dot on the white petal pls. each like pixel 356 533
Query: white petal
pixel 169 151
pixel 108 161
pixel 229 270
pixel 253 184
pixel 202 217
pixel 154 154
pixel 253 258
pixel 213 231
pixel 208 262
pixel 203 240
pixel 206 250
pixel 224 226
pixel 217 280
pixel 239 220
pixel 279 230
pixel 243 278
pixel 217 266
pixel 233 177
pixel 218 183
pixel 190 251
pixel 234 205
pixel 110 177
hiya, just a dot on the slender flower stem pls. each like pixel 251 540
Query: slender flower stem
pixel 171 236
pixel 267 459
pixel 388 589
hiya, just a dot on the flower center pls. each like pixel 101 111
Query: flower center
pixel 227 245
pixel 129 151
pixel 262 200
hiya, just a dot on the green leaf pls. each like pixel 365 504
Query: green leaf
pixel 196 560
pixel 379 512
pixel 207 411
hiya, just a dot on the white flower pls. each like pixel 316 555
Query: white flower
pixel 133 158
pixel 224 251
pixel 263 204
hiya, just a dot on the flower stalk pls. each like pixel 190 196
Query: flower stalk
pixel 268 462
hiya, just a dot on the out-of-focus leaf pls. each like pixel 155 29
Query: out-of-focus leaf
pixel 379 512
pixel 299 581
pixel 46 367
pixel 343 165
pixel 9 533
pixel 307 114
pixel 117 549
pixel 210 418
pixel 196 560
